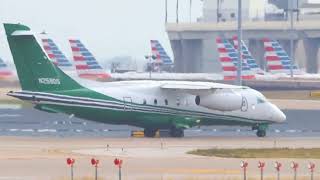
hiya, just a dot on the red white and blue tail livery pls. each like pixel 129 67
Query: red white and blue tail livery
pixel 54 53
pixel 86 64
pixel 278 61
pixel 160 54
pixel 246 55
pixel 5 72
pixel 228 57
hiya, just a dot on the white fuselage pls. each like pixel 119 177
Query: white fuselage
pixel 255 107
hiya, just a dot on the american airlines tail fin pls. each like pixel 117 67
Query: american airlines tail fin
pixel 246 55
pixel 159 52
pixel 5 72
pixel 86 64
pixel 54 53
pixel 228 57
pixel 278 61
pixel 35 71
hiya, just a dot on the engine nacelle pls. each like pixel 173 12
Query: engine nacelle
pixel 226 101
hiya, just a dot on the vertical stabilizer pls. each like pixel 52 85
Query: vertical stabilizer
pixel 228 57
pixel 86 64
pixel 5 72
pixel 246 55
pixel 278 61
pixel 161 55
pixel 35 71
pixel 54 53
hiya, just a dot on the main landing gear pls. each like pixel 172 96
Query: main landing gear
pixel 173 132
pixel 150 132
pixel 176 132
pixel 261 129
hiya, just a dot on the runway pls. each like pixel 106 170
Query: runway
pixel 17 120
pixel 34 145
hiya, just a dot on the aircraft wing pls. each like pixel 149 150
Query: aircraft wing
pixel 196 87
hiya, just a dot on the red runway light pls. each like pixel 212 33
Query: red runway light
pixel 311 166
pixel 294 165
pixel 116 161
pixel 243 164
pixel 261 164
pixel 70 161
pixel 277 165
pixel 94 162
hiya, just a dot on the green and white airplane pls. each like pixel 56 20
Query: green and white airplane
pixel 152 105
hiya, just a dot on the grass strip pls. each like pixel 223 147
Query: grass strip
pixel 299 153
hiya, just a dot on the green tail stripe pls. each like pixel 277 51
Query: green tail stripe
pixel 35 71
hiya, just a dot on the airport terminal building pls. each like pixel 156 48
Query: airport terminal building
pixel 194 44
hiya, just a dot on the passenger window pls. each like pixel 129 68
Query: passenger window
pixel 166 102
pixel 186 103
pixel 178 102
pixel 144 101
pixel 155 101
pixel 197 100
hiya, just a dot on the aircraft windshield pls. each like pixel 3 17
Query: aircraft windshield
pixel 260 100
pixel 260 97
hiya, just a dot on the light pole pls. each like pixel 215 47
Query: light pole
pixel 239 68
pixel 261 167
pixel 118 162
pixel 70 162
pixel 294 166
pixel 218 11
pixel 177 12
pixel 190 10
pixel 150 64
pixel 94 163
pixel 311 167
pixel 166 11
pixel 244 166
pixel 278 165
pixel 291 38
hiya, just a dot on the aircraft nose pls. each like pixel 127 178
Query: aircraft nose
pixel 278 115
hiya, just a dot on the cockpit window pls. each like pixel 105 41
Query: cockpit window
pixel 260 100
pixel 260 97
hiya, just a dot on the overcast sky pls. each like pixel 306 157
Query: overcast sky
pixel 108 27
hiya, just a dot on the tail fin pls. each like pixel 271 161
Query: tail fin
pixel 277 59
pixel 4 70
pixel 56 55
pixel 246 55
pixel 159 52
pixel 229 60
pixel 229 70
pixel 35 71
pixel 86 64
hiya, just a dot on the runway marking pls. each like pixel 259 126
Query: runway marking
pixel 10 106
pixel 10 115
pixel 198 171
pixel 16 178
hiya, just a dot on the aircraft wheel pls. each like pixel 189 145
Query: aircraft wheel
pixel 261 133
pixel 176 132
pixel 150 132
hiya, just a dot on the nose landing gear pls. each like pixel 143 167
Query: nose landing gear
pixel 261 133
pixel 261 129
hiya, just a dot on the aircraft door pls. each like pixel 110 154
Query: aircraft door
pixel 127 101
pixel 244 104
